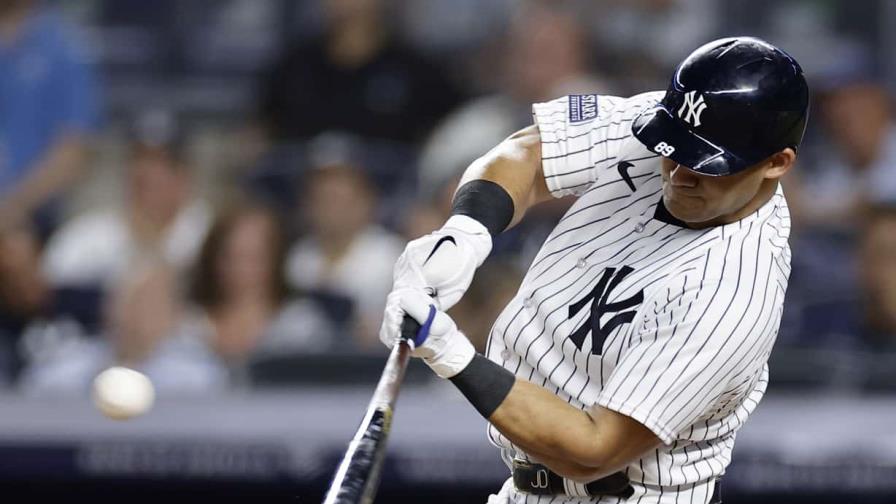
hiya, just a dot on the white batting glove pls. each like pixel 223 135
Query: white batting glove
pixel 439 343
pixel 443 262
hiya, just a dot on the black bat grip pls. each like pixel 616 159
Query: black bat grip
pixel 409 328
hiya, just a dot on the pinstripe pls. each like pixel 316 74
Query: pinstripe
pixel 588 242
pixel 556 236
pixel 597 127
pixel 693 282
pixel 705 312
pixel 733 331
pixel 576 295
pixel 744 355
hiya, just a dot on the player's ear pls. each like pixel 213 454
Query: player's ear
pixel 779 163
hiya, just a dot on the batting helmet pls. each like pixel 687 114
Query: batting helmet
pixel 731 103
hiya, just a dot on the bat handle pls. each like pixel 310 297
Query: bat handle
pixel 409 328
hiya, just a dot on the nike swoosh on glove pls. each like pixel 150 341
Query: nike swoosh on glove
pixel 443 262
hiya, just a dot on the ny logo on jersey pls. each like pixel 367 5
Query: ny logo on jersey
pixel 599 307
pixel 692 109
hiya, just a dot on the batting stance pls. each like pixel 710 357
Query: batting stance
pixel 637 344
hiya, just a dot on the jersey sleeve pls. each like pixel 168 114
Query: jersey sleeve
pixel 581 136
pixel 689 346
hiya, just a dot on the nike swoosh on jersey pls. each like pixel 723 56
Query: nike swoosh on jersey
pixel 623 167
pixel 439 243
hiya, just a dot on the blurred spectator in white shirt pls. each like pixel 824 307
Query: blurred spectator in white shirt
pixel 345 252
pixel 243 308
pixel 161 214
pixel 31 306
pixel 142 332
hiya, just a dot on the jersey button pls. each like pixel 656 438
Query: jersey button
pixel 528 303
pixel 506 355
pixel 639 227
pixel 581 263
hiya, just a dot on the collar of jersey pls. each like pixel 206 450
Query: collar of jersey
pixel 662 214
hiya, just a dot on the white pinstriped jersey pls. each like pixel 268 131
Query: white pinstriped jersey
pixel 626 308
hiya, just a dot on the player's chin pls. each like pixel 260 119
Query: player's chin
pixel 690 209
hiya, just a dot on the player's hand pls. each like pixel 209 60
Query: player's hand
pixel 443 262
pixel 438 342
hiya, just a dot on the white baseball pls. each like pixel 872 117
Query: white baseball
pixel 121 393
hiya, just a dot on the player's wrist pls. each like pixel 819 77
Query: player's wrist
pixel 453 357
pixel 474 233
pixel 485 384
pixel 485 202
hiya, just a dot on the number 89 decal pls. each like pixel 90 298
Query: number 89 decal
pixel 664 149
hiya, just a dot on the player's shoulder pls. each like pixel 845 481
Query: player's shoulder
pixel 577 112
pixel 647 99
pixel 589 106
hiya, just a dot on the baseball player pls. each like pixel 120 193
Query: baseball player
pixel 637 344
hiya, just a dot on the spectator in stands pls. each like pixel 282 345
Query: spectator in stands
pixel 345 252
pixel 141 332
pixel 546 56
pixel 161 213
pixel 675 27
pixel 849 165
pixel 356 77
pixel 33 313
pixel 24 295
pixel 877 262
pixel 243 307
pixel 855 163
pixel 48 112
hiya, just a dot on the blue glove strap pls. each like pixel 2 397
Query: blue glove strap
pixel 423 333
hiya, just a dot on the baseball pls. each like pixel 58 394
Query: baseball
pixel 121 393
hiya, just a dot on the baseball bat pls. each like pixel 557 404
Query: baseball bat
pixel 358 476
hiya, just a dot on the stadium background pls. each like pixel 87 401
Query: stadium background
pixel 235 179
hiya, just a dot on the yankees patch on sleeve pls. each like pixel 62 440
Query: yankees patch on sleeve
pixel 582 107
pixel 581 136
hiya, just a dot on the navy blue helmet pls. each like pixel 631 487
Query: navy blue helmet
pixel 731 103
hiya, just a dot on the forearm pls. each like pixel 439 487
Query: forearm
pixel 515 165
pixel 61 166
pixel 547 428
pixel 581 445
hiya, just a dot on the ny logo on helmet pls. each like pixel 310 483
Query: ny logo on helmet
pixel 692 109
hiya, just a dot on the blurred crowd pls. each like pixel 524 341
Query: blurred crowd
pixel 129 234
